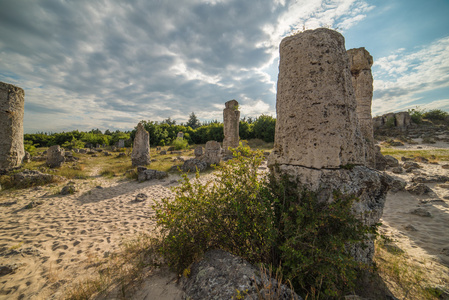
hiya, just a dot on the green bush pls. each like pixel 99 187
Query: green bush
pixel 435 115
pixel 224 213
pixel 390 122
pixel 180 144
pixel 29 147
pixel 264 220
pixel 312 237
pixel 416 114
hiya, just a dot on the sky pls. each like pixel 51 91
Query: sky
pixel 109 64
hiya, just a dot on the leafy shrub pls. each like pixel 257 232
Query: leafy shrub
pixel 312 237
pixel 264 128
pixel 224 213
pixel 435 115
pixel 180 144
pixel 29 147
pixel 416 114
pixel 269 221
pixel 390 122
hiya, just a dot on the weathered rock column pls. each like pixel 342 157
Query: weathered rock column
pixel 141 147
pixel 231 119
pixel 360 62
pixel 12 101
pixel 318 140
pixel 55 156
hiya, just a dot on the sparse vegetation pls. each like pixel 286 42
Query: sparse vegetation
pixel 263 221
pixel 122 269
pixel 435 154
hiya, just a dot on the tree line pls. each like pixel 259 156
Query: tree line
pixel 161 133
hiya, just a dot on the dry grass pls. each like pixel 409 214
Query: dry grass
pixel 120 272
pixel 436 154
pixel 407 280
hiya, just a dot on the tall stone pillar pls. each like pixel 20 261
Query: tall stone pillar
pixel 140 155
pixel 12 101
pixel 231 119
pixel 360 62
pixel 318 142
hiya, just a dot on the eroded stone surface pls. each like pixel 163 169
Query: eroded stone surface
pixel 221 275
pixel 360 62
pixel 12 101
pixel 316 124
pixel 318 141
pixel 140 155
pixel 55 156
pixel 231 119
pixel 212 153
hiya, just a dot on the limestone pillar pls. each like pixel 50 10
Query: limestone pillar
pixel 140 155
pixel 231 119
pixel 12 100
pixel 360 62
pixel 316 124
pixel 318 141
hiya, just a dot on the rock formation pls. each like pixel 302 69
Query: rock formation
pixel 360 62
pixel 316 124
pixel 12 101
pixel 180 135
pixel 231 119
pixel 140 155
pixel 318 140
pixel 400 120
pixel 55 156
pixel 221 275
pixel 212 153
pixel 144 174
pixel 121 143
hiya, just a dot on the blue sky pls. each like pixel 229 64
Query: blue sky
pixel 109 64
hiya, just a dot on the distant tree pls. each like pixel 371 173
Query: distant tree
pixel 264 127
pixel 169 121
pixel 108 132
pixel 193 121
pixel 96 131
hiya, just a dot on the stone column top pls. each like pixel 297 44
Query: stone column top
pixel 359 59
pixel 232 104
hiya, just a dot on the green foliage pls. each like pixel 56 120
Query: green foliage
pixel 312 239
pixel 193 121
pixel 435 115
pixel 269 221
pixel 223 213
pixel 29 147
pixel 390 122
pixel 180 144
pixel 264 128
pixel 416 114
pixel 73 144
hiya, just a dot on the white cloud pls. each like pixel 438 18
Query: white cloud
pixel 406 75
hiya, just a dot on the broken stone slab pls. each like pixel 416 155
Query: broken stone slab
pixel 421 212
pixel 418 189
pixel 191 165
pixel 199 151
pixel 29 178
pixel 391 161
pixel 221 275
pixel 144 174
pixel 69 189
pixel 141 197
pixel 55 156
pixel 430 179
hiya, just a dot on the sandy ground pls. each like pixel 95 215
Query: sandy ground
pixel 51 244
